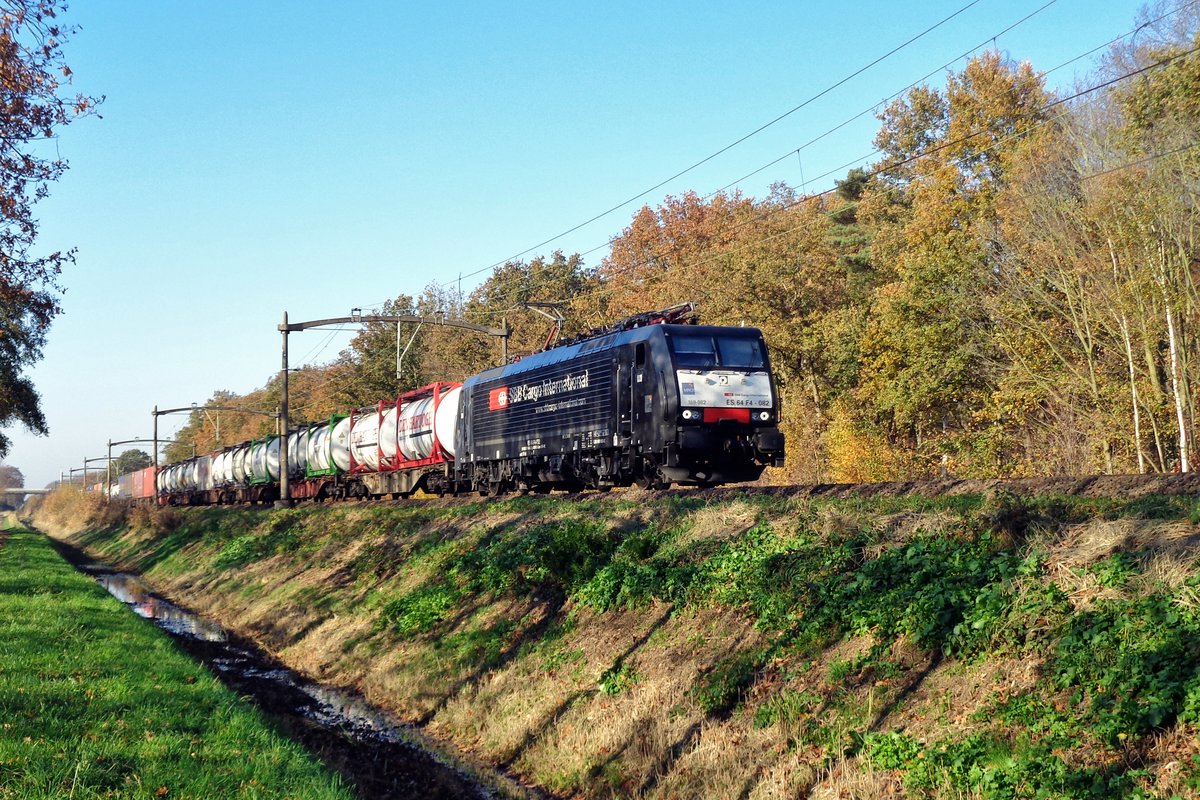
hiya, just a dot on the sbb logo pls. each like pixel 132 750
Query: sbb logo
pixel 498 399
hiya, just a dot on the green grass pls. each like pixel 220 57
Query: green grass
pixel 973 580
pixel 97 703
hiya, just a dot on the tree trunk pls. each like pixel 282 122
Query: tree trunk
pixel 1133 392
pixel 1177 390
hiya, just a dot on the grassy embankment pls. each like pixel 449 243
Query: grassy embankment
pixel 95 702
pixel 671 647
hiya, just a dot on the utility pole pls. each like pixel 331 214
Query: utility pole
pixel 285 490
pixel 157 412
pixel 356 318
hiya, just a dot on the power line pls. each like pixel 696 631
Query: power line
pixel 899 93
pixel 320 348
pixel 961 140
pixel 731 145
pixel 602 290
pixel 892 97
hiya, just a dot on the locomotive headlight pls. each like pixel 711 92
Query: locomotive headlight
pixel 690 414
pixel 763 416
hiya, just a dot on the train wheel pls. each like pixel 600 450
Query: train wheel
pixel 652 482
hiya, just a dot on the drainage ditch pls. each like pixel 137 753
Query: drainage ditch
pixel 377 755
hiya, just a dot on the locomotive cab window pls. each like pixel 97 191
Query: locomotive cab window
pixel 740 353
pixel 709 352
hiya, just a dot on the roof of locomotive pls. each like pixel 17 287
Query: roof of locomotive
pixel 607 341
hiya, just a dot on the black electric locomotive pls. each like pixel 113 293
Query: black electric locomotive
pixel 652 405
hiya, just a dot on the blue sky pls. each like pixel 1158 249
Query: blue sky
pixel 257 157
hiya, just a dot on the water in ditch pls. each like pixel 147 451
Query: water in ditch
pixel 379 756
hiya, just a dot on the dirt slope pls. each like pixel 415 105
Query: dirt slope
pixel 789 642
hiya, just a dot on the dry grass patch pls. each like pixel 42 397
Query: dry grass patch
pixel 608 707
pixel 720 759
pixel 906 526
pixel 67 510
pixel 791 775
pixel 336 648
pixel 1167 552
pixel 420 677
pixel 949 696
pixel 854 779
pixel 514 705
pixel 719 523
pixel 1169 759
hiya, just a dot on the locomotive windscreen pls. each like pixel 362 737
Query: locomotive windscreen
pixel 693 351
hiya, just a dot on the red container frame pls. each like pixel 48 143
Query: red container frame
pixel 438 453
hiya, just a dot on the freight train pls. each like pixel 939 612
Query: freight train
pixel 654 400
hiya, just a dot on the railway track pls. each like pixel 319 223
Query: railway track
pixel 1120 486
pixel 1124 486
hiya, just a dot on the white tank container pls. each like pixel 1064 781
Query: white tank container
pixel 445 420
pixel 273 458
pixel 318 448
pixel 258 462
pixel 297 452
pixel 339 444
pixel 387 434
pixel 409 433
pixel 240 457
pixel 414 429
pixel 204 473
pixel 364 439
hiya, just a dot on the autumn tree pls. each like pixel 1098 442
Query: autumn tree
pixel 1159 112
pixel 34 106
pixel 1094 279
pixel 371 367
pixel 671 253
pixel 131 461
pixel 770 263
pixel 213 425
pixel 560 280
pixel 929 356
pixel 11 477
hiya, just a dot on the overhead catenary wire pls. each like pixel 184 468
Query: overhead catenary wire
pixel 320 347
pixel 1019 134
pixel 895 95
pixel 966 53
pixel 1002 140
pixel 1082 178
pixel 729 146
pixel 758 218
pixel 1049 106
